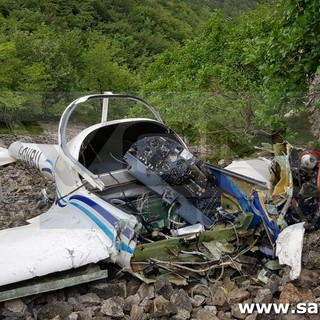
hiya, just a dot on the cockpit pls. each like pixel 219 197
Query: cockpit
pixel 144 168
pixel 102 151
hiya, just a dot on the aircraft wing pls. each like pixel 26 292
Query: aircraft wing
pixel 54 241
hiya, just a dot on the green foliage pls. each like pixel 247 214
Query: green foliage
pixel 145 28
pixel 249 71
pixel 214 61
pixel 210 68
pixel 204 118
pixel 222 82
pixel 102 69
pixel 229 7
pixel 292 47
pixel 53 51
pixel 287 57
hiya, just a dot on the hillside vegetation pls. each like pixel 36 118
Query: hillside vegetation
pixel 221 72
pixel 50 51
pixel 234 84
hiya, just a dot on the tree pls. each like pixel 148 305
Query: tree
pixel 251 70
pixel 292 52
pixel 211 69
pixel 288 57
pixel 10 101
pixel 103 69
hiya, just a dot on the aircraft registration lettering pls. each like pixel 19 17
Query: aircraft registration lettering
pixel 30 156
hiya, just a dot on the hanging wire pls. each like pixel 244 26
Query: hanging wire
pixel 118 160
pixel 236 233
pixel 74 190
pixel 217 279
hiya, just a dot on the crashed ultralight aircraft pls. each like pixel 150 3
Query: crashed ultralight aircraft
pixel 130 192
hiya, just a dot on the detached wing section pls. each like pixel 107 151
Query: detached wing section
pixel 54 241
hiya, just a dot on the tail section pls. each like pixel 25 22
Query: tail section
pixel 40 156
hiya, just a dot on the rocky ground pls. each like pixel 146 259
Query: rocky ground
pixel 124 297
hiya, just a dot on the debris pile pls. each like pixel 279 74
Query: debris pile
pixel 250 278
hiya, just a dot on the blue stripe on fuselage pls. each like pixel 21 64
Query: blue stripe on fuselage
pixel 95 206
pixel 126 248
pixel 97 222
pixel 47 170
pixel 106 215
pixel 49 161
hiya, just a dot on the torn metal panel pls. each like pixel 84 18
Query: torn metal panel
pixel 289 248
pixel 53 282
pixel 257 169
